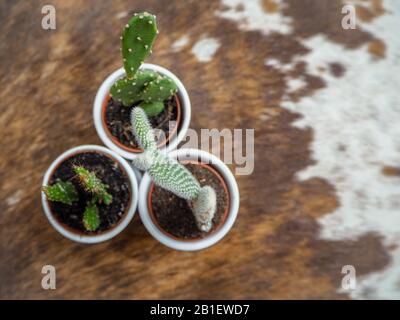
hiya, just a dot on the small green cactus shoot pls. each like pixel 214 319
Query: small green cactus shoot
pixel 144 87
pixel 91 219
pixel 93 184
pixel 61 191
pixel 171 175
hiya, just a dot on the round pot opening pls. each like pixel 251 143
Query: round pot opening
pixel 122 217
pixel 165 141
pixel 215 228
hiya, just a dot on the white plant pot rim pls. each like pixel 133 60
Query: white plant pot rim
pixel 104 91
pixel 197 244
pixel 106 235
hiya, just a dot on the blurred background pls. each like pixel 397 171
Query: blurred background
pixel 323 100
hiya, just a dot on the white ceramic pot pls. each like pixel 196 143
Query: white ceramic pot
pixel 103 93
pixel 108 234
pixel 214 237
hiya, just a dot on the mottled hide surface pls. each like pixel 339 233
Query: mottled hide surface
pixel 323 101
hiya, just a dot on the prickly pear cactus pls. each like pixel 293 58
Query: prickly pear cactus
pixel 137 40
pixel 141 86
pixel 128 91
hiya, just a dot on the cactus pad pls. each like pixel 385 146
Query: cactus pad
pixel 159 90
pixel 137 40
pixel 128 91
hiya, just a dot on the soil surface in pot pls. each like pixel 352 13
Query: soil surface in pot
pixel 118 120
pixel 110 173
pixel 173 213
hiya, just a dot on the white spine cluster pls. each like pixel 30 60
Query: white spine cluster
pixel 171 175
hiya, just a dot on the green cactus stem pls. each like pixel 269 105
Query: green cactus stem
pixel 61 191
pixel 93 184
pixel 91 219
pixel 171 175
pixel 137 40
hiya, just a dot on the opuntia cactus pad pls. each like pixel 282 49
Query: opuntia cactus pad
pixel 141 86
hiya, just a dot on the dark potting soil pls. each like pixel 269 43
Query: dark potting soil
pixel 110 173
pixel 118 120
pixel 173 213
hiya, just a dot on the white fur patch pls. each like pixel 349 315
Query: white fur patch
pixel 356 122
pixel 253 16
pixel 180 43
pixel 205 48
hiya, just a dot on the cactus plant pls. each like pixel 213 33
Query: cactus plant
pixel 171 175
pixel 61 191
pixel 93 184
pixel 65 192
pixel 91 219
pixel 146 88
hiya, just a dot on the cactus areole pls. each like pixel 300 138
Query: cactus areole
pixel 88 193
pixel 155 93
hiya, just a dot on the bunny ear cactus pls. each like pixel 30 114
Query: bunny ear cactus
pixel 171 175
pixel 137 40
pixel 128 91
pixel 146 88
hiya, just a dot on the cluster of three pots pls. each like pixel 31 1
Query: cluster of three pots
pixel 91 193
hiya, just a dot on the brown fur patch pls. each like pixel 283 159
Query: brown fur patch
pixel 390 171
pixel 270 6
pixel 377 48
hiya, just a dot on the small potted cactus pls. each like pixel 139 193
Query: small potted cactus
pixel 188 200
pixel 155 89
pixel 89 194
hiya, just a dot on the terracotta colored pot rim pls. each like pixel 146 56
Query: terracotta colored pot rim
pixel 139 150
pixel 215 228
pixel 123 216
